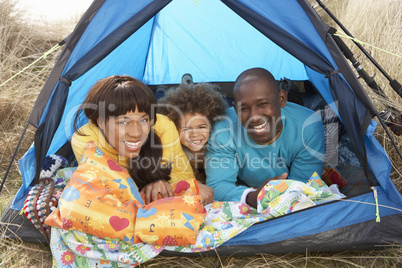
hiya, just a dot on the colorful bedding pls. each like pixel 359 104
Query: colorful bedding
pixel 223 220
pixel 102 200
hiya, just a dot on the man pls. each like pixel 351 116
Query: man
pixel 262 138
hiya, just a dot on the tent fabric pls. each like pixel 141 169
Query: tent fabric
pixel 336 215
pixel 365 237
pixel 183 42
pixel 21 226
pixel 330 228
pixel 157 41
pixel 303 47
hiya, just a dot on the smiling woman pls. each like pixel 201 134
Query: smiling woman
pixel 123 124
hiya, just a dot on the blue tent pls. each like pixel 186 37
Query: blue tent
pixel 157 41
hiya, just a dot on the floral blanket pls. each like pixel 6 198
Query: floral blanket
pixel 224 220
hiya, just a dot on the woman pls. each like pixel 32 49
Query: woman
pixel 123 124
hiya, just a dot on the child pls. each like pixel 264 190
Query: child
pixel 194 108
pixel 123 124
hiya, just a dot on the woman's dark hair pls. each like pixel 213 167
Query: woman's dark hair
pixel 147 167
pixel 117 95
pixel 114 96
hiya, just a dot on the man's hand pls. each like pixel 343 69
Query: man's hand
pixel 206 193
pixel 251 198
pixel 152 190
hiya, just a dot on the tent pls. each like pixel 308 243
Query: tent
pixel 157 41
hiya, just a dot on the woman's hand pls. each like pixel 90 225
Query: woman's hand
pixel 206 193
pixel 151 191
pixel 251 198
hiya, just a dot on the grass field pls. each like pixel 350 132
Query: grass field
pixel 375 22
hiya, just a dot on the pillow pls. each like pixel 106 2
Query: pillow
pixel 102 200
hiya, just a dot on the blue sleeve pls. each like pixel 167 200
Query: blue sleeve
pixel 221 167
pixel 310 157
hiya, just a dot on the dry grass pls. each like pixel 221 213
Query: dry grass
pixel 374 22
pixel 18 254
pixel 377 23
pixel 20 45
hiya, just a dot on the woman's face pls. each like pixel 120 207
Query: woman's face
pixel 127 133
pixel 194 131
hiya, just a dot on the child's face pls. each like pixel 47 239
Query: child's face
pixel 194 131
pixel 127 133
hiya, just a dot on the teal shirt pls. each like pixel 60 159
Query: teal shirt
pixel 234 162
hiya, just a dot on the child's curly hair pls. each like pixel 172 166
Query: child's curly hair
pixel 201 98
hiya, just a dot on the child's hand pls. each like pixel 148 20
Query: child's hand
pixel 152 190
pixel 206 193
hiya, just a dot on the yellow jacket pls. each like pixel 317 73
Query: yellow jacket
pixel 164 128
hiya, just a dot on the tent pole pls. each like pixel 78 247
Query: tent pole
pixel 360 70
pixel 396 86
pixel 369 80
pixel 394 123
pixel 13 157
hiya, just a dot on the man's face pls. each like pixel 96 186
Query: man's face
pixel 258 106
